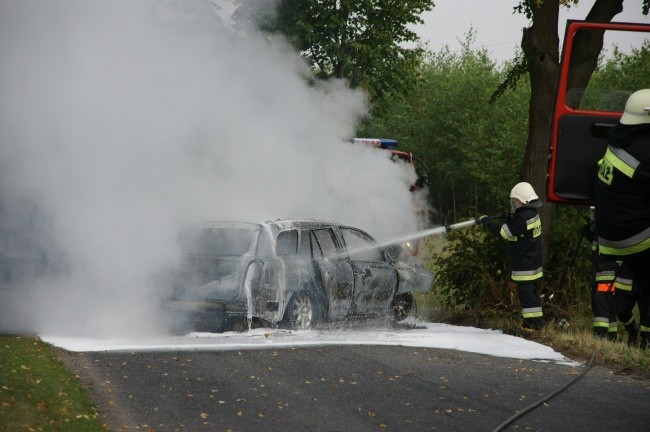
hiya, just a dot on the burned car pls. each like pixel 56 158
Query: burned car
pixel 293 273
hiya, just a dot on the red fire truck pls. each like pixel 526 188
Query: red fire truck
pixel 583 115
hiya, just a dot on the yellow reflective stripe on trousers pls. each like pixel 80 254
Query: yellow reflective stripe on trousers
pixel 605 276
pixel 600 322
pixel 527 275
pixel 623 284
pixel 535 312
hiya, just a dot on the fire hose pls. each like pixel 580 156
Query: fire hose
pixel 533 406
pixel 446 228
pixel 568 264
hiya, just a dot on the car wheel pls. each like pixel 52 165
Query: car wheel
pixel 303 311
pixel 402 306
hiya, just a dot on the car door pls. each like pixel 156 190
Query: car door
pixel 334 272
pixel 375 279
pixel 584 113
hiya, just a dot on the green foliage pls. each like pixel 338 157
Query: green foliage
pixel 471 271
pixel 38 393
pixel 474 151
pixel 518 69
pixel 472 148
pixel 473 267
pixel 363 41
pixel 619 76
pixel 568 266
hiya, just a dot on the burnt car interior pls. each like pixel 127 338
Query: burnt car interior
pixel 287 243
pixel 225 241
pixel 323 246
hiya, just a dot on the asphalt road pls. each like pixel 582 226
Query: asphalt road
pixel 353 388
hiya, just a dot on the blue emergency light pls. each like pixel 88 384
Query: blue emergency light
pixel 382 143
pixel 388 143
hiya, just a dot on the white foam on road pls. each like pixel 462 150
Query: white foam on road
pixel 424 335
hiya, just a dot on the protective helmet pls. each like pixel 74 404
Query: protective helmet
pixel 524 192
pixel 637 108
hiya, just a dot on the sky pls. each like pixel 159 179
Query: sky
pixel 425 335
pixel 498 29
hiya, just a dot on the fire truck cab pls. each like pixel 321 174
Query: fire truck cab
pixel 584 112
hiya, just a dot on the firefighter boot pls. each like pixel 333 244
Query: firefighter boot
pixel 645 341
pixel 632 334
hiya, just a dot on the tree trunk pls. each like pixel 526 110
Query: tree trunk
pixel 587 46
pixel 541 48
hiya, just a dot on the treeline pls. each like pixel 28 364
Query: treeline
pixel 474 150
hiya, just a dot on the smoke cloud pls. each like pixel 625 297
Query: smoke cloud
pixel 122 121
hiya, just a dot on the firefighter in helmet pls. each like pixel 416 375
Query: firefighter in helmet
pixel 622 197
pixel 523 231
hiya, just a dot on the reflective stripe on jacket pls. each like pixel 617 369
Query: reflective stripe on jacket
pixel 523 230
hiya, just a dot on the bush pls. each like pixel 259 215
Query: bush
pixel 472 271
pixel 568 265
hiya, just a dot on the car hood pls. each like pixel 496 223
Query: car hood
pixel 413 278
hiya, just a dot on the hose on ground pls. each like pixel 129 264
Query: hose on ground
pixel 531 407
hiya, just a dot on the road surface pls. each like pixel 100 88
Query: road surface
pixel 353 388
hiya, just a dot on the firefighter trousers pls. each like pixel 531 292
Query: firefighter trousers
pixel 531 304
pixel 603 308
pixel 638 263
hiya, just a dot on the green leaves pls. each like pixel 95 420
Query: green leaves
pixel 362 41
pixel 472 148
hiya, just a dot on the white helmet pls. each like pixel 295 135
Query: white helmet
pixel 637 108
pixel 524 192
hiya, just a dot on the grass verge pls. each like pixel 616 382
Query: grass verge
pixel 576 342
pixel 37 393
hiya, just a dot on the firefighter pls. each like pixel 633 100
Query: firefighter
pixel 523 230
pixel 622 198
pixel 603 278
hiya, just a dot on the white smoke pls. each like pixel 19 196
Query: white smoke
pixel 121 121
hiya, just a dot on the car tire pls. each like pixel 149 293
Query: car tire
pixel 402 306
pixel 303 311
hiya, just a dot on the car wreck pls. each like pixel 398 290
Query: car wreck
pixel 292 273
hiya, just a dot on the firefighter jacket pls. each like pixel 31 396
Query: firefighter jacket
pixel 523 230
pixel 623 192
